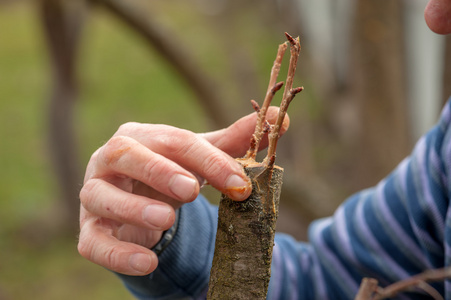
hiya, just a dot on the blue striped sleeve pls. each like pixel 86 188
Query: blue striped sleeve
pixel 397 229
pixel 393 230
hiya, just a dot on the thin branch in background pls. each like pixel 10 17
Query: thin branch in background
pixel 370 291
pixel 367 288
pixel 171 48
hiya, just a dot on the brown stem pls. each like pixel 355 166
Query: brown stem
pixel 274 134
pixel 288 95
pixel 367 289
pixel 415 282
pixel 295 49
pixel 431 291
pixel 272 89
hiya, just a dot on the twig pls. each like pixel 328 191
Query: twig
pixel 367 289
pixel 410 284
pixel 295 49
pixel 261 114
pixel 430 290
pixel 288 95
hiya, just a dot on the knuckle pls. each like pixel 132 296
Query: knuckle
pixel 179 142
pixel 215 165
pixel 83 247
pixel 127 128
pixel 115 148
pixel 153 169
pixel 111 257
pixel 88 193
pixel 93 158
pixel 157 171
pixel 126 210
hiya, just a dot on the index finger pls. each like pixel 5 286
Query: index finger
pixel 193 153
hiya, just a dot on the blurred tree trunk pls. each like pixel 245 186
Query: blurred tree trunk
pixel 379 90
pixel 362 132
pixel 447 70
pixel 62 22
pixel 241 66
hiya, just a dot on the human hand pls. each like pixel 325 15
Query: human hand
pixel 134 183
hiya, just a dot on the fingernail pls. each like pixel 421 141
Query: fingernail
pixel 237 187
pixel 140 262
pixel 183 187
pixel 157 215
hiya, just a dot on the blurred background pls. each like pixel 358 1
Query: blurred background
pixel 72 71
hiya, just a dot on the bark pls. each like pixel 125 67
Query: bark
pixel 245 238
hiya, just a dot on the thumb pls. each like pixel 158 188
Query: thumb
pixel 235 139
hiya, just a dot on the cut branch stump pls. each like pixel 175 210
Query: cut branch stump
pixel 245 238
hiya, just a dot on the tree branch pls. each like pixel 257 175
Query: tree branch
pixel 170 48
pixel 272 89
pixel 369 290
pixel 288 95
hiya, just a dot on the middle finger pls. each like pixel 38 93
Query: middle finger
pixel 125 156
pixel 106 200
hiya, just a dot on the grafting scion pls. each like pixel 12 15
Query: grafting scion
pixel 245 237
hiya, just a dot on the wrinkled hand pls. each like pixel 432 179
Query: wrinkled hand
pixel 134 183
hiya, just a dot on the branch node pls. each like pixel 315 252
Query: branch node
pixel 277 87
pixel 267 127
pixel 288 94
pixel 271 90
pixel 297 90
pixel 255 106
pixel 290 39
